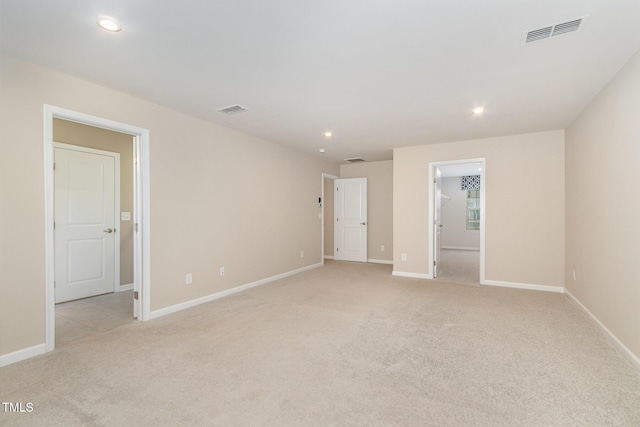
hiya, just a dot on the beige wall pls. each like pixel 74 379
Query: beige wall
pixel 328 216
pixel 218 198
pixel 602 205
pixel 524 209
pixel 454 233
pixel 103 139
pixel 379 205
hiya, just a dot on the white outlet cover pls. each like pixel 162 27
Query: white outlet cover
pixel 404 257
pixel 381 248
pixel 189 278
pixel 125 216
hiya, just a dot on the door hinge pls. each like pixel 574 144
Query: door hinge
pixel 434 263
pixel 54 225
pixel 337 219
pixel 337 249
pixel 136 227
pixel 54 165
pixel 136 295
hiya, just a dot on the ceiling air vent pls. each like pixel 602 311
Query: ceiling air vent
pixel 354 159
pixel 234 109
pixel 553 30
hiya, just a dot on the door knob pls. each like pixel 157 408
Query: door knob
pixel 108 230
pixel 363 223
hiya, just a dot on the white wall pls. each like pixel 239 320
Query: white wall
pixel 454 233
pixel 602 205
pixel 524 234
pixel 218 198
pixel 380 205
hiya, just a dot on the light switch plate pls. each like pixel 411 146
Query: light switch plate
pixel 125 216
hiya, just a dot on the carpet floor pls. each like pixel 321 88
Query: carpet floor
pixel 347 344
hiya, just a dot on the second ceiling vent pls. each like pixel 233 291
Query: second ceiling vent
pixel 234 109
pixel 547 32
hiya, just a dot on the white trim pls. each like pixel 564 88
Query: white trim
pixel 460 248
pixel 127 287
pixel 483 210
pixel 20 355
pixel 192 303
pixel 324 175
pixel 142 242
pixel 116 202
pixel 328 257
pixel 545 288
pixel 414 275
pixel 628 354
pixel 380 261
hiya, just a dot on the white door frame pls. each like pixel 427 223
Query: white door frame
pixel 324 175
pixel 116 210
pixel 142 204
pixel 431 241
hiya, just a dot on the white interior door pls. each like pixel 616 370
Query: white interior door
pixel 85 224
pixel 437 220
pixel 350 222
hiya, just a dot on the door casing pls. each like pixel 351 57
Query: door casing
pixel 323 203
pixel 142 204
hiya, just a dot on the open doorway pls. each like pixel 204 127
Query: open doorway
pixel 94 231
pixel 137 289
pixel 327 204
pixel 457 212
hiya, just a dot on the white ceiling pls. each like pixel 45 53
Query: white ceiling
pixel 379 74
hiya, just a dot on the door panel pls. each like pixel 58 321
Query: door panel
pixel 84 224
pixel 350 221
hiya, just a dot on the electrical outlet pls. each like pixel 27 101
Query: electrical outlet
pixel 189 279
pixel 381 248
pixel 404 257
pixel 222 271
pixel 301 254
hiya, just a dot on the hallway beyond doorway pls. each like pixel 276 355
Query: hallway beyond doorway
pixel 459 266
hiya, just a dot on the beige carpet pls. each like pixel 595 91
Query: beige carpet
pixel 346 344
pixel 459 266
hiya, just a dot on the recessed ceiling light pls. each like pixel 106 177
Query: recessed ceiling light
pixel 108 23
pixel 328 134
pixel 478 110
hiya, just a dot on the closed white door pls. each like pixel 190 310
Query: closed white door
pixel 437 223
pixel 350 223
pixel 85 234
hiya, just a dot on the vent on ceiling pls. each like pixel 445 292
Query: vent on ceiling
pixel 234 109
pixel 354 159
pixel 553 30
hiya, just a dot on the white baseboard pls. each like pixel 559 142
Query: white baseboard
pixel 461 248
pixel 414 275
pixel 328 257
pixel 126 287
pixel 380 261
pixel 25 353
pixel 188 304
pixel 545 288
pixel 628 354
